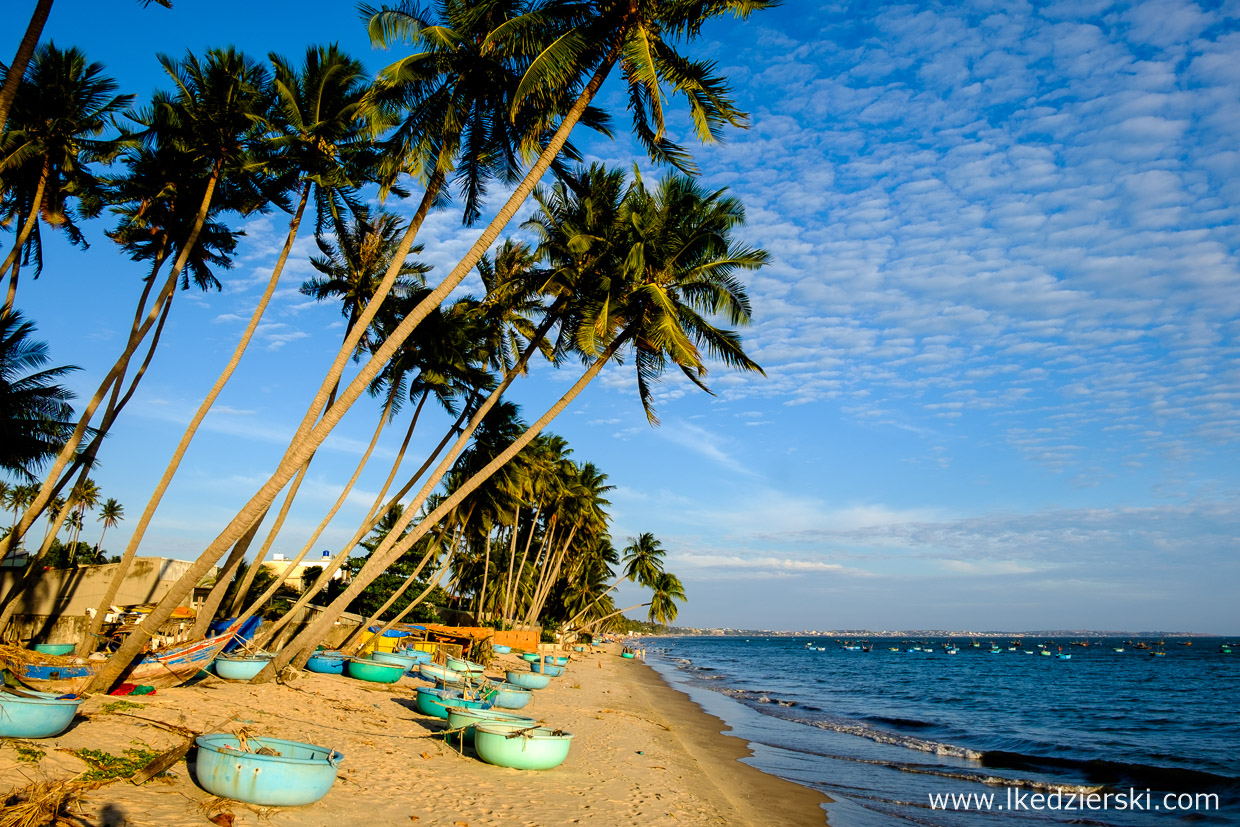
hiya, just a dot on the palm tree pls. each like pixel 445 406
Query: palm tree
pixel 214 120
pixel 318 114
pixel 63 105
pixel 34 30
pixel 110 515
pixel 673 258
pixel 353 264
pixel 563 62
pixel 643 562
pixel 84 497
pixel 210 124
pixel 667 589
pixel 34 410
pixel 643 559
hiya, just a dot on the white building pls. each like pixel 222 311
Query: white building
pixel 278 564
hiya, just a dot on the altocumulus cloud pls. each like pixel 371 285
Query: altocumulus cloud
pixel 980 211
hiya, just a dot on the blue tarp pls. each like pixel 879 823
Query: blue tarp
pixel 396 632
pixel 245 633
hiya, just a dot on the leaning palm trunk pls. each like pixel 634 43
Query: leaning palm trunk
pixel 598 621
pixel 111 671
pixel 338 560
pixel 8 92
pixel 486 567
pixel 22 237
pixel 69 451
pixel 354 641
pixel 512 558
pixel 372 518
pixel 308 439
pixel 413 604
pixel 84 460
pixel 252 571
pixel 540 598
pixel 388 552
pixel 206 612
pixel 462 439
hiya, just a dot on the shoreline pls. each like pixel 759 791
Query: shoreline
pixel 762 797
pixel 643 754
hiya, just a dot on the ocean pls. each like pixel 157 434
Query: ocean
pixel 918 736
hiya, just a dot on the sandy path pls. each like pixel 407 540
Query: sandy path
pixel 642 755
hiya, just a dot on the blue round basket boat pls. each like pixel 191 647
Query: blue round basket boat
pixel 296 774
pixel 501 649
pixel 36 714
pixel 326 662
pixel 530 656
pixel 239 669
pixel 547 669
pixel 511 696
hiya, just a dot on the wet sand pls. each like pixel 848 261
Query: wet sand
pixel 642 754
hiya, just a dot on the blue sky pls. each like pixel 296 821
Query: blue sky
pixel 999 331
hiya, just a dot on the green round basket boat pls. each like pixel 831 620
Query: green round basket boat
pixel 368 670
pixel 520 746
pixel 628 655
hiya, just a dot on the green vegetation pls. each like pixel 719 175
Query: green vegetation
pixel 27 753
pixel 104 766
pixel 119 706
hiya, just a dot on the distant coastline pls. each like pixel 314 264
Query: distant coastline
pixel 936 633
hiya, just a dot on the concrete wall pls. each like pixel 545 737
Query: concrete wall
pixel 59 592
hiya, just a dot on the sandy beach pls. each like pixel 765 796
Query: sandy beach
pixel 642 754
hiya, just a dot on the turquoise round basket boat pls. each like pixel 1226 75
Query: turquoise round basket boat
pixel 501 649
pixel 628 655
pixel 464 718
pixel 417 655
pixel 435 702
pixel 579 648
pixel 530 656
pixel 464 666
pixel 326 663
pixel 547 669
pixel 295 774
pixel 239 669
pixel 521 747
pixel 556 660
pixel 35 714
pixel 368 670
pixel 511 696
pixel 408 662
pixel 54 648
pixel 528 680
pixel 435 672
